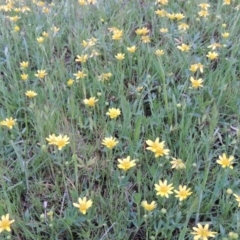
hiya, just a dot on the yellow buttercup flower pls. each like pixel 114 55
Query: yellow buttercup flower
pixel 177 163
pixel 110 142
pixel 90 101
pixel 142 31
pixel 51 139
pixel 5 223
pixel 117 34
pixel 163 30
pixel 80 74
pixel 24 76
pixel 203 13
pixel 70 82
pixel 104 76
pixel 41 74
pixel 196 83
pixel 224 161
pixel 24 64
pixel 81 58
pixel 83 204
pixel 157 147
pixel 163 189
pixel 126 163
pixel 204 6
pixel 226 2
pixel 16 28
pixel 161 13
pixel 212 55
pixel 30 94
pixel 159 52
pixel 225 34
pixel 182 192
pixel 40 39
pixel 215 46
pixel 113 112
pixel 183 26
pixel 8 122
pixel 184 48
pixel 179 16
pixel 120 56
pixel 202 232
pixel 61 141
pixel 145 39
pixel 132 49
pixel 237 197
pixel 162 2
pixel 148 206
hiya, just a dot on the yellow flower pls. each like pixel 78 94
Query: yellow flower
pixel 117 34
pixel 163 189
pixel 193 68
pixel 70 82
pixel 45 10
pixel 159 52
pixel 16 28
pixel 184 48
pixel 45 34
pixel 104 76
pixel 177 163
pixel 171 16
pixel 14 18
pixel 226 2
pixel 142 31
pixel 161 13
pixel 40 39
pixel 110 142
pixel 83 205
pixel 55 29
pixel 120 56
pixel 179 16
pixel 157 147
pixel 5 223
pixel 225 35
pixel 196 83
pixel 145 39
pixel 82 58
pixel 61 141
pixel 8 122
pixel 51 139
pixel 80 74
pixel 212 55
pixel 90 102
pixel 24 76
pixel 183 26
pixel 82 2
pixel 113 112
pixel 224 161
pixel 126 163
pixel 203 13
pixel 132 49
pixel 163 30
pixel 200 67
pixel 183 192
pixel 30 94
pixel 215 46
pixel 204 6
pixel 23 65
pixel 202 232
pixel 237 199
pixel 41 74
pixel 149 206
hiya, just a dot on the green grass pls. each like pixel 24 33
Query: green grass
pixel 197 125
